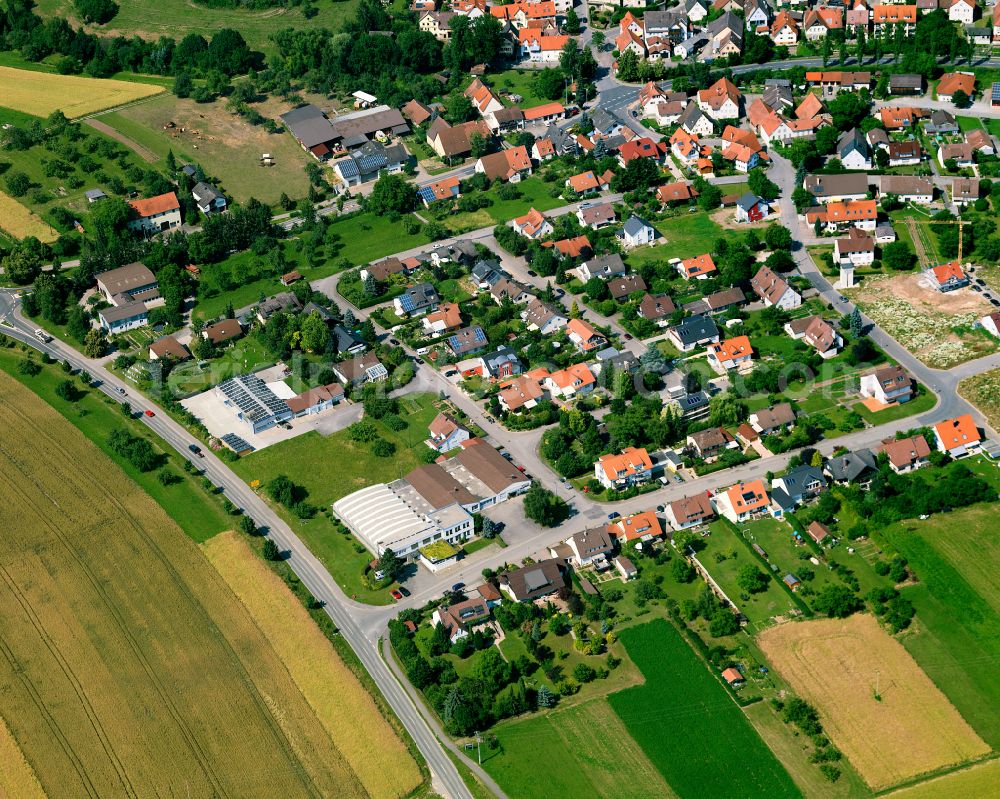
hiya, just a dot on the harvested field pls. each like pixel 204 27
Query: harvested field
pixel 17 780
pixel 21 222
pixel 346 710
pixel 908 728
pixel 935 327
pixel 979 781
pixel 41 93
pixel 129 667
pixel 983 391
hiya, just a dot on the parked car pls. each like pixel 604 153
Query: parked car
pixel 149 413
pixel 396 595
pixel 404 591
pixel 458 587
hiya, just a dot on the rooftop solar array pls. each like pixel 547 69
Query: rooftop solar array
pixel 253 397
pixel 236 443
pixel 996 93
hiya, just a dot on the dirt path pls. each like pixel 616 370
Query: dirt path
pixel 918 242
pixel 132 144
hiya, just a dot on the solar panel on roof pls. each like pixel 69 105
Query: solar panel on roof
pixel 235 442
pixel 426 193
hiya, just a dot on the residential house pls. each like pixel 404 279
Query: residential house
pixel 695 122
pixel 545 114
pixel 656 309
pixel 743 501
pixel 482 98
pixel 569 382
pixel 643 147
pixel 835 216
pixel 361 369
pixel 134 281
pixel 632 467
pixel 622 287
pixel 521 393
pixel 721 100
pixel 636 232
pixel 905 153
pixel 964 191
pixel 886 20
pixel 416 300
pixel 834 188
pixel 155 214
pixel 597 216
pixel 316 399
pixel 947 277
pixel 857 250
pixel 643 526
pixel 958 437
pixel 941 123
pixel 544 318
pixel 853 150
pixel 906 85
pixel 453 141
pixel 587 183
pixel 711 443
pixel 221 332
pixel 693 332
pixel 981 142
pixel 701 267
pixel 774 420
pixel 688 512
pixel 347 341
pixel 446 434
pixel 784 31
pixel 501 364
pixel 959 152
pixel 908 188
pixel 533 225
pixel 461 617
pixel 830 83
pixel 286 302
pixel 534 581
pixel 583 335
pixel 370 160
pixel 467 341
pixel 850 467
pixel 591 547
pixel 445 189
pixel 888 385
pixel 576 247
pixel 751 208
pixel 208 198
pixel 801 483
pixel 952 82
pixel 991 324
pixel 962 11
pixel 906 454
pixel 896 119
pixel 757 13
pixel 774 290
pixel 605 267
pixel 676 193
pixel 733 353
pixel 717 302
pixel 505 290
pixel 511 164
pixel 820 20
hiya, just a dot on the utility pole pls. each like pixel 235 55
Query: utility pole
pixel 479 747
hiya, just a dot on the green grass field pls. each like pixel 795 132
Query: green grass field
pixel 178 18
pixel 956 637
pixel 534 194
pixel 684 236
pixel 922 403
pixel 583 750
pixel 519 81
pixel 330 468
pixel 689 726
pixel 196 512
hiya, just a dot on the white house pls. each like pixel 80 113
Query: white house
pixel 774 291
pixel 636 232
pixel 958 437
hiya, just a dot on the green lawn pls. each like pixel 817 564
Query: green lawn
pixel 684 236
pixel 956 638
pixel 333 466
pixel 966 124
pixel 923 402
pixel 519 81
pixel 534 194
pixel 578 751
pixel 246 355
pixel 198 513
pixel 177 18
pixel 758 608
pixel 686 722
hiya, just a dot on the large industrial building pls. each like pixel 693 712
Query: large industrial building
pixel 432 503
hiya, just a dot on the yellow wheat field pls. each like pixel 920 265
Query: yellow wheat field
pixel 981 781
pixel 17 780
pixel 345 708
pixel 41 93
pixel 21 222
pixel 838 665
pixel 128 666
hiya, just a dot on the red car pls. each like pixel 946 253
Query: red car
pixel 149 413
pixel 396 595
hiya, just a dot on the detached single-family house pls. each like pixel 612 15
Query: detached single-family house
pixel 544 318
pixel 208 198
pixel 588 548
pixel 850 467
pixel 687 512
pixel 947 277
pixel 597 216
pixel 632 467
pixel 858 249
pixel 774 291
pixel 532 582
pixel 636 232
pixel 776 419
pixel 958 437
pixel 458 619
pixel 571 381
pixel 446 434
pixel 605 267
pixel 416 300
pixel 532 225
pixel 361 369
pixel 584 337
pixel 695 331
pixel 890 384
pixel 751 208
pixel 642 526
pixel 733 353
pixel 709 444
pixel 701 267
pixel 801 483
pixel 721 100
pixel 952 82
pixel 743 501
pixel 853 150
pixel 907 454
pixel 656 309
pixel 155 214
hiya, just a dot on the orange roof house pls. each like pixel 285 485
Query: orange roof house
pixel 676 192
pixel 811 106
pixel 636 527
pixel 532 224
pixel 898 118
pixel 574 247
pixel 699 266
pixel 743 501
pixel 153 206
pixel 731 353
pixel 617 471
pixel 958 436
pixel 583 335
pixel 839 213
pixel 543 111
pixel 952 82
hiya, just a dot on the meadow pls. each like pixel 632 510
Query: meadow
pixel 112 618
pixel 20 222
pixel 983 391
pixel 957 630
pixel 41 93
pixel 876 704
pixel 227 146
pixel 586 751
pixel 177 18
pixel 689 726
pixel 346 710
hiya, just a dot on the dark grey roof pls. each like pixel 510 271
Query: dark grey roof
pixel 799 478
pixel 851 140
pixel 604 120
pixel 695 329
pixel 851 465
pixel 748 201
pixel 690 116
pixel 205 192
pixel 308 124
pixel 634 225
pixel 837 185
